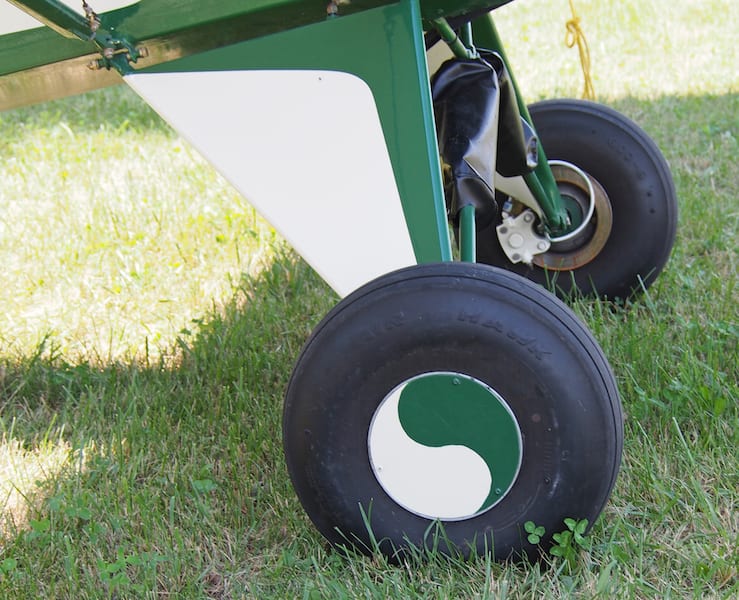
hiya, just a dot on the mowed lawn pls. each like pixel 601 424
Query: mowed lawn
pixel 149 321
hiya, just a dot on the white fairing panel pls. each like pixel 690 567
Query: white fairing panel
pixel 307 150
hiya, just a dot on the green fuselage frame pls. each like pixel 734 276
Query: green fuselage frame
pixel 76 53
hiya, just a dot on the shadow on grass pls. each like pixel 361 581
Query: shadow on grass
pixel 183 465
pixel 184 458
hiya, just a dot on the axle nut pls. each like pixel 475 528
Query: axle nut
pixel 515 240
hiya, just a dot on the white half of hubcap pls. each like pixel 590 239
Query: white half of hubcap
pixel 449 483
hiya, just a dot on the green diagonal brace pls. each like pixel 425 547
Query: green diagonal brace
pixel 58 16
pixel 541 181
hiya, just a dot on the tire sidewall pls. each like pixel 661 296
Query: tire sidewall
pixel 630 167
pixel 522 344
pixel 637 180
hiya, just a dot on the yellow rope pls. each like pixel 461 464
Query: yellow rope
pixel 574 36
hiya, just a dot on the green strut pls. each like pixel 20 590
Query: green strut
pixel 540 181
pixel 467 234
pixel 57 16
pixel 450 37
pixel 116 51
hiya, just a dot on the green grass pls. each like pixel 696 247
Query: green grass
pixel 150 321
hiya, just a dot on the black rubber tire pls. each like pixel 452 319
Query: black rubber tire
pixel 637 180
pixel 464 318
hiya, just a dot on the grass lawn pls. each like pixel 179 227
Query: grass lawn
pixel 150 319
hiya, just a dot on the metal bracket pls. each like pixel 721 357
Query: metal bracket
pixel 117 51
pixel 118 54
pixel 519 239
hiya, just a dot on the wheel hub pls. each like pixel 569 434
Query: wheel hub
pixel 590 212
pixel 445 446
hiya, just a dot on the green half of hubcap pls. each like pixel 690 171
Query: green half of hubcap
pixel 445 446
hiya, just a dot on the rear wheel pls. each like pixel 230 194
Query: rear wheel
pixel 626 242
pixel 455 395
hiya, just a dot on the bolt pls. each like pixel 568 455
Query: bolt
pixel 516 240
pixel 455 381
pixel 527 217
pixel 542 246
pixel 498 491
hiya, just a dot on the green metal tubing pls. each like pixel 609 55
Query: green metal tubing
pixel 57 16
pixel 467 39
pixel 452 40
pixel 467 234
pixel 117 51
pixel 429 128
pixel 541 182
